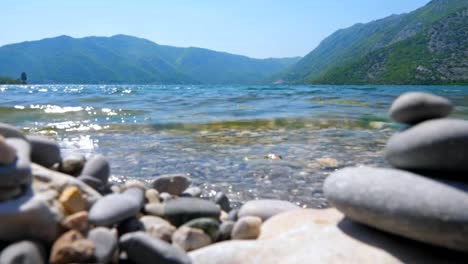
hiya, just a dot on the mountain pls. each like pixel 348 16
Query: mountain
pixel 127 59
pixel 426 46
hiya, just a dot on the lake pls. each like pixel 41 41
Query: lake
pixel 250 142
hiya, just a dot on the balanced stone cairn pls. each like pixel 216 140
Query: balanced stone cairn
pixel 64 210
pixel 425 196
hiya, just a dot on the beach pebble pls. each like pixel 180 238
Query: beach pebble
pixel 19 172
pixel 165 197
pixel 77 221
pixel 434 145
pixel 44 151
pixel 192 192
pixel 23 252
pixel 247 227
pixel 72 247
pixel 73 164
pixel 182 210
pixel 7 152
pixel 414 107
pixel 72 200
pixel 112 209
pixel 172 184
pixel 265 208
pixel 403 203
pixel 141 248
pixel 9 131
pixel 223 201
pixel 105 243
pixel 132 224
pixel 27 217
pixel 225 230
pixel 155 209
pixel 136 194
pixel 158 227
pixel 189 238
pixel 98 167
pixel 152 196
pixel 233 215
pixel 94 183
pixel 209 225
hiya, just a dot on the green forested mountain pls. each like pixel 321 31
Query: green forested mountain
pixel 428 45
pixel 126 59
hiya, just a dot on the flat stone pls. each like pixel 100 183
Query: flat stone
pixel 265 208
pixel 73 164
pixel 44 151
pixel 152 196
pixel 141 248
pixel 403 203
pixel 72 247
pixel 9 131
pixel 209 225
pixel 188 238
pixel 106 244
pixel 182 210
pixel 172 184
pixel 77 221
pixel 19 172
pixel 27 217
pixel 112 209
pixel 97 166
pixel 7 152
pixel 72 200
pixel 414 107
pixel 23 252
pixel 321 236
pixel 434 145
pixel 247 227
pixel 158 227
pixel 223 201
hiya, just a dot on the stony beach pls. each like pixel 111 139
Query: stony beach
pixel 57 208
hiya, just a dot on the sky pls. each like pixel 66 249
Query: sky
pixel 255 28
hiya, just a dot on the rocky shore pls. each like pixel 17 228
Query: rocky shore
pixel 56 209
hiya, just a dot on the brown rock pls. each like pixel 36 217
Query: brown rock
pixel 72 247
pixel 72 200
pixel 189 238
pixel 77 221
pixel 247 227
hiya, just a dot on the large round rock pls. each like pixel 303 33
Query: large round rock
pixel 97 166
pixel 265 208
pixel 44 151
pixel 182 210
pixel 434 145
pixel 403 203
pixel 414 107
pixel 142 248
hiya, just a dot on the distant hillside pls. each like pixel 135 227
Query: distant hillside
pixel 126 59
pixel 428 46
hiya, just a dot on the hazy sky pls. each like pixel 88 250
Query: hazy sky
pixel 256 28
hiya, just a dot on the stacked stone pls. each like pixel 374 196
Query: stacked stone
pixel 425 196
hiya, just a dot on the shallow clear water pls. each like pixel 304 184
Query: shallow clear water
pixel 227 138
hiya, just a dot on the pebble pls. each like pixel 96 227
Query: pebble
pixel 233 215
pixel 77 221
pixel 225 230
pixel 223 201
pixel 158 227
pixel 152 196
pixel 44 151
pixel 7 152
pixel 189 238
pixel 19 172
pixel 182 210
pixel 72 247
pixel 112 209
pixel 136 194
pixel 403 203
pixel 9 131
pixel 129 225
pixel 72 200
pixel 247 227
pixel 106 244
pixel 265 208
pixel 23 252
pixel 73 164
pixel 414 107
pixel 142 248
pixel 165 197
pixel 209 225
pixel 94 183
pixel 172 184
pixel 434 145
pixel 195 192
pixel 98 167
pixel 155 209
